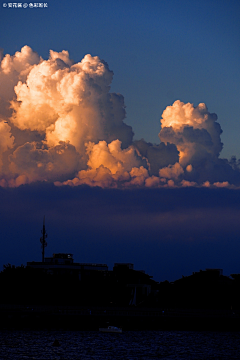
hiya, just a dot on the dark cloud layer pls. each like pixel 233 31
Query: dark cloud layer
pixel 167 232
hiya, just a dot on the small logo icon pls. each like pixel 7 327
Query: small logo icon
pixel 4 5
pixel 25 5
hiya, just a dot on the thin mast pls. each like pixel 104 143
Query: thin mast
pixel 43 239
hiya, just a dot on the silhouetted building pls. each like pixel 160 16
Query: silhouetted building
pixel 218 272
pixel 122 266
pixel 63 263
pixel 209 273
pixel 60 259
pixel 132 287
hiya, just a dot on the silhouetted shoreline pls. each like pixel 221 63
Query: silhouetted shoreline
pixel 76 318
pixel 79 318
pixel 92 297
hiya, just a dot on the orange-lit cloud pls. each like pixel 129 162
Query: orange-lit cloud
pixel 193 130
pixel 60 123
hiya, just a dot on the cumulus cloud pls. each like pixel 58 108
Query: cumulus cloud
pixel 47 104
pixel 158 156
pixel 41 164
pixel 110 166
pixel 6 139
pixel 60 123
pixel 196 134
pixel 171 172
pixel 13 69
pixel 193 130
pixel 221 184
pixel 70 102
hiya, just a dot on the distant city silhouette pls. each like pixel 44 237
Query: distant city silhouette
pixel 58 281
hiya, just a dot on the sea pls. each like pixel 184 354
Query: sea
pixel 130 345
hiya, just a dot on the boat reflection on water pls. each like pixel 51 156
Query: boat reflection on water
pixel 111 329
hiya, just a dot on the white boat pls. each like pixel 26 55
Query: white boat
pixel 111 329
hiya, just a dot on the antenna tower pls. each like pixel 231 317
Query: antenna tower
pixel 43 239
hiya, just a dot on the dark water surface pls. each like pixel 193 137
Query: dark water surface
pixel 130 345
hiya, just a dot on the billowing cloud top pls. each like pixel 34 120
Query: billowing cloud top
pixel 60 123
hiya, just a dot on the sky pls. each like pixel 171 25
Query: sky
pixel 119 121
